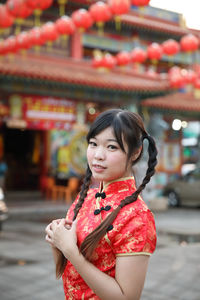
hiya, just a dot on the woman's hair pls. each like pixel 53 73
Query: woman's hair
pixel 128 129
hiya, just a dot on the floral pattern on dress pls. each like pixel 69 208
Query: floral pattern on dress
pixel 133 233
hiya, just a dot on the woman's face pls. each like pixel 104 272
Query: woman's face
pixel 106 159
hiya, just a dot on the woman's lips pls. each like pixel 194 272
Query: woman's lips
pixel 98 168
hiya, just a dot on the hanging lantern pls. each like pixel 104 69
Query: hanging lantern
pixel 108 62
pixel 6 19
pixel 49 33
pixel 118 8
pixel 10 45
pixel 140 2
pixel 100 13
pixel 190 76
pixel 23 41
pixel 138 55
pixel 97 62
pixel 123 58
pixel 154 52
pixel 2 48
pixel 65 27
pixel 82 19
pixel 38 6
pixel 189 43
pixel 176 78
pixel 19 10
pixel 35 38
pixel 170 47
pixel 62 4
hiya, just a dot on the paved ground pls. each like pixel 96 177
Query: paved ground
pixel 27 270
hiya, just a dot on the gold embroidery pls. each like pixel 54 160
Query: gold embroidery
pixel 133 253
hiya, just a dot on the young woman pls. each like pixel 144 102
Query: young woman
pixel 102 248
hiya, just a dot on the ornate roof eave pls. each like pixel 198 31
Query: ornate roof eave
pixel 65 73
pixel 179 104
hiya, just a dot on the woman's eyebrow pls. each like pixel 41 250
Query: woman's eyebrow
pixel 112 140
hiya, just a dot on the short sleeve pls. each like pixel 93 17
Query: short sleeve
pixel 137 236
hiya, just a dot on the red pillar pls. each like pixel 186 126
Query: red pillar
pixel 76 45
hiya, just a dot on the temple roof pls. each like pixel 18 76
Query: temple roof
pixel 186 103
pixel 78 72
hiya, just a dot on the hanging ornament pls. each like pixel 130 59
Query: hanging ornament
pixel 82 19
pixel 108 62
pixel 170 47
pixel 19 10
pixel 65 27
pixel 35 38
pixel 38 6
pixel 154 52
pixel 189 43
pixel 49 33
pixel 100 13
pixel 138 55
pixel 123 58
pixel 23 41
pixel 118 8
pixel 62 4
pixel 6 19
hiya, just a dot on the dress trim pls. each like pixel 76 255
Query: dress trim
pixel 133 253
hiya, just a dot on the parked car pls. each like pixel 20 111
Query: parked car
pixel 184 190
pixel 3 209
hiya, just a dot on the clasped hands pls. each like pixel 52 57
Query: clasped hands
pixel 61 234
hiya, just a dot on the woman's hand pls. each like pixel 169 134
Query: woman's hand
pixel 61 234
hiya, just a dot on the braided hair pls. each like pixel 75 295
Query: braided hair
pixel 128 129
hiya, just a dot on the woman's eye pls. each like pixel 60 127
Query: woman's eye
pixel 93 144
pixel 112 147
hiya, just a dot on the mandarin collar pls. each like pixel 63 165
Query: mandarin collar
pixel 117 184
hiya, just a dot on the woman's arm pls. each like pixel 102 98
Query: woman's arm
pixel 130 270
pixel 127 284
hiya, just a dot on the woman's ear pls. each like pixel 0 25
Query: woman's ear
pixel 136 154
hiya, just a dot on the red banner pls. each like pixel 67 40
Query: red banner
pixel 48 113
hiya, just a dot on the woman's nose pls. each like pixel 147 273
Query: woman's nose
pixel 99 153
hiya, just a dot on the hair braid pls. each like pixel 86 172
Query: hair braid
pixel 62 261
pixel 83 192
pixel 152 161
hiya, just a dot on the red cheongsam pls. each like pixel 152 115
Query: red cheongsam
pixel 133 232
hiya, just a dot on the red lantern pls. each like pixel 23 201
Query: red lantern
pixel 154 52
pixel 189 76
pixel 176 77
pixel 138 55
pixel 35 37
pixel 23 41
pixel 38 4
pixel 49 32
pixel 2 48
pixel 100 13
pixel 108 61
pixel 82 19
pixel 6 19
pixel 10 45
pixel 123 58
pixel 119 7
pixel 18 8
pixel 197 83
pixel 97 62
pixel 170 47
pixel 189 43
pixel 65 25
pixel 140 2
